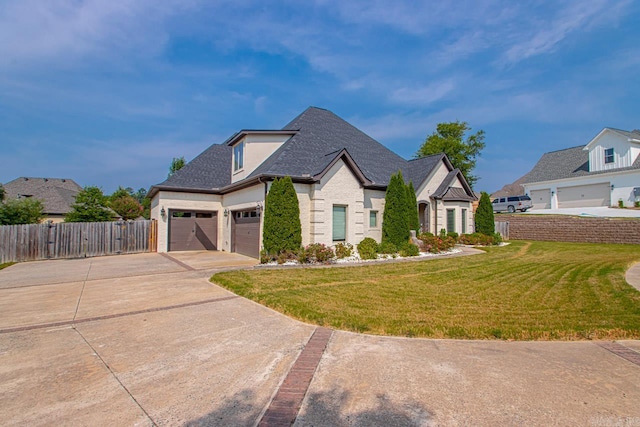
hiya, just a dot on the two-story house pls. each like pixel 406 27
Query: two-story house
pixel 340 175
pixel 601 173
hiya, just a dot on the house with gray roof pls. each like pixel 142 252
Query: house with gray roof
pixel 601 173
pixel 340 175
pixel 56 194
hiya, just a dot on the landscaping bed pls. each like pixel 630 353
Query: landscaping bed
pixel 523 291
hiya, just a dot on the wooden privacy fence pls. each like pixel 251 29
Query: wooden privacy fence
pixel 32 242
pixel 502 227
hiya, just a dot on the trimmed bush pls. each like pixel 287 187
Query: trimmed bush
pixel 282 229
pixel 368 248
pixel 343 250
pixel 485 222
pixel 435 244
pixel 395 222
pixel 318 252
pixel 412 208
pixel 453 235
pixel 409 249
pixel 387 248
pixel 479 239
pixel 21 211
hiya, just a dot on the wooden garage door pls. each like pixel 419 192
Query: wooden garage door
pixel 193 231
pixel 541 199
pixel 584 196
pixel 245 237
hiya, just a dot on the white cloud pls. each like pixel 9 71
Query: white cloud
pixel 423 95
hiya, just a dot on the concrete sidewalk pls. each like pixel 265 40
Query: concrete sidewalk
pixel 157 344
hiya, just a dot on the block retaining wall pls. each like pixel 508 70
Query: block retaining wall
pixel 562 228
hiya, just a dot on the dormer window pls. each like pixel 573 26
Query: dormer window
pixel 238 157
pixel 608 156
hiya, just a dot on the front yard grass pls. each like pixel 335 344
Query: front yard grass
pixel 6 264
pixel 523 291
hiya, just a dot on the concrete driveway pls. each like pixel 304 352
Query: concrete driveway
pixel 147 340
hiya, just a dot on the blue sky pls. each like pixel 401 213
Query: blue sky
pixel 108 92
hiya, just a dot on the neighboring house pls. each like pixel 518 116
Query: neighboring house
pixel 340 175
pixel 57 195
pixel 600 173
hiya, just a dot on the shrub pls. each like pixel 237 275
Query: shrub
pixel 636 204
pixel 620 203
pixel 21 211
pixel 453 235
pixel 479 239
pixel 282 229
pixel 90 206
pixel 343 250
pixel 409 249
pixel 127 207
pixel 368 248
pixel 287 255
pixel 412 207
pixel 484 216
pixel 435 244
pixel 395 218
pixel 318 252
pixel 443 233
pixel 387 248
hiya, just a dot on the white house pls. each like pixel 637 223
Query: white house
pixel 601 173
pixel 340 175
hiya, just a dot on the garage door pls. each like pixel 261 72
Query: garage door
pixel 541 199
pixel 245 237
pixel 584 195
pixel 192 231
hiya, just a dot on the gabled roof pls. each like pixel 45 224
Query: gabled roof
pixel 568 163
pixel 633 136
pixel 318 139
pixel 446 190
pixel 57 194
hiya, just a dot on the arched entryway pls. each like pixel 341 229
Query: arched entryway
pixel 423 212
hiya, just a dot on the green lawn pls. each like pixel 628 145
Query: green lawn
pixel 523 291
pixel 6 264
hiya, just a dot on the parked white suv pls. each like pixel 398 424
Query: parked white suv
pixel 512 204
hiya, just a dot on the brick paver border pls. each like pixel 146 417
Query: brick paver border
pixel 621 351
pixel 284 407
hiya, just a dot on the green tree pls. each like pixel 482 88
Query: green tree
pixel 2 193
pixel 91 206
pixel 21 211
pixel 395 218
pixel 412 207
pixel 282 229
pixel 484 216
pixel 176 164
pixel 127 207
pixel 449 138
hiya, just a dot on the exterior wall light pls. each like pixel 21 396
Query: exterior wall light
pixel 226 213
pixel 612 187
pixel 163 213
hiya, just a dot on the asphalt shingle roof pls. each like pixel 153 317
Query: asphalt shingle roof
pixel 57 195
pixel 318 137
pixel 567 163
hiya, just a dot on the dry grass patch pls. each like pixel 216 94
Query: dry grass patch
pixel 523 291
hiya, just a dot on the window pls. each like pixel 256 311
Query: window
pixel 373 219
pixel 451 220
pixel 238 157
pixel 464 221
pixel 608 155
pixel 339 223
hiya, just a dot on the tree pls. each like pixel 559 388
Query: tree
pixel 395 218
pixel 412 207
pixel 91 206
pixel 282 228
pixel 176 164
pixel 127 207
pixel 2 193
pixel 21 211
pixel 484 216
pixel 449 139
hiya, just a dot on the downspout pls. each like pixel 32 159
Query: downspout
pixel 435 218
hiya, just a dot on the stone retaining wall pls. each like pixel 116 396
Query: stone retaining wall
pixel 563 228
